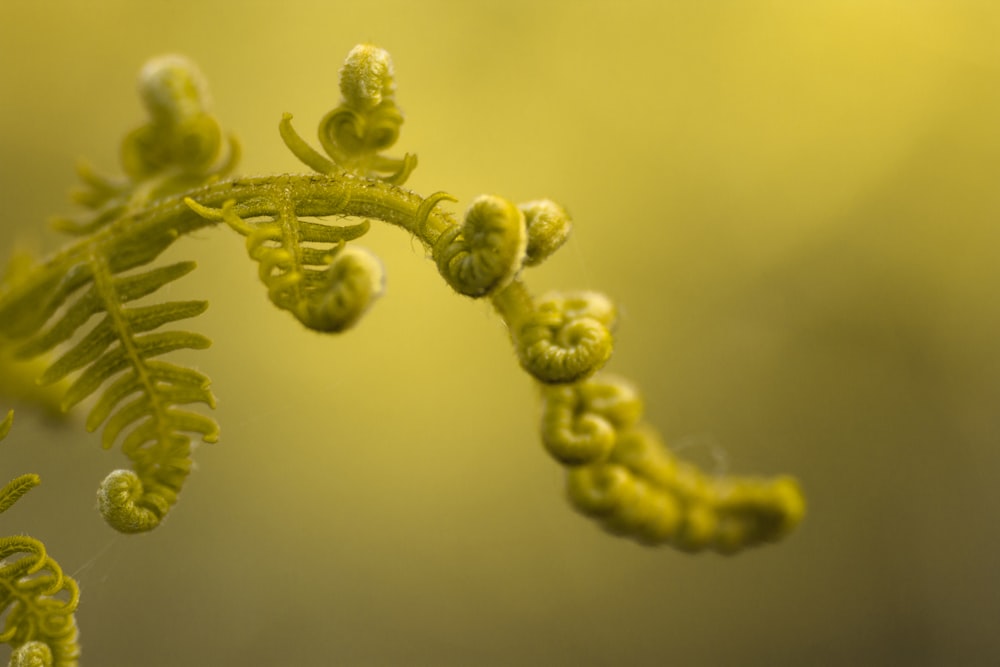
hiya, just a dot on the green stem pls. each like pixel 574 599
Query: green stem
pixel 156 226
pixel 513 303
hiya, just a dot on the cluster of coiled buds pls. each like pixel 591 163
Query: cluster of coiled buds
pixel 495 240
pixel 622 475
pixel 619 472
pixel 559 338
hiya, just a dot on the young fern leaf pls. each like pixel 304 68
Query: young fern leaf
pixel 99 276
pixel 140 393
pixel 37 601
pixel 618 470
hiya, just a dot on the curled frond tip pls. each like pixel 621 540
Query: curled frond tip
pixel 366 77
pixel 567 336
pixel 126 506
pixel 484 253
pixel 172 87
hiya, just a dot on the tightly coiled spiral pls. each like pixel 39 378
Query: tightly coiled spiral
pixel 179 148
pixel 580 422
pixel 548 227
pixel 31 654
pixel 621 474
pixel 350 284
pixel 566 337
pixel 366 77
pixel 484 253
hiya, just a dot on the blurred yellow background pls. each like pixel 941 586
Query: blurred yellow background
pixel 794 204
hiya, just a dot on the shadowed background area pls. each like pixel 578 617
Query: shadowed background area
pixel 794 204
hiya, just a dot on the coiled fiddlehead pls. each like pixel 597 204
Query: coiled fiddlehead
pixel 580 422
pixel 561 337
pixel 484 253
pixel 37 601
pixel 366 122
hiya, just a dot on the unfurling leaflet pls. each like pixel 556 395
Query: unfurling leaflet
pixel 307 268
pixel 351 282
pixel 37 601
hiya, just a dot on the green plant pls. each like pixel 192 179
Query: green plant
pixel 177 180
pixel 37 599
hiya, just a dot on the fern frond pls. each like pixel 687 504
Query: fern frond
pixel 139 320
pixel 173 187
pixel 118 351
pixel 129 222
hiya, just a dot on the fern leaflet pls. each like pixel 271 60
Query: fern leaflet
pixel 141 393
